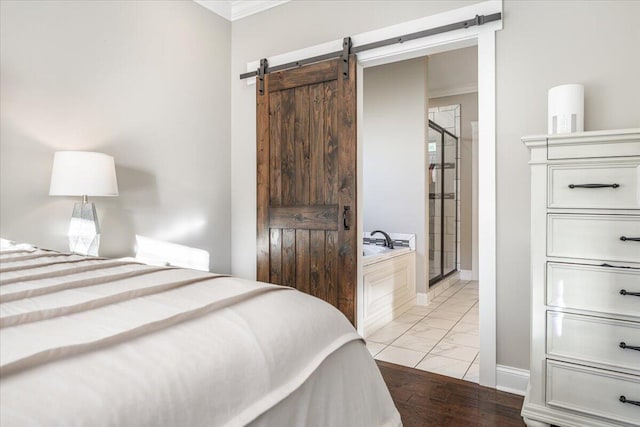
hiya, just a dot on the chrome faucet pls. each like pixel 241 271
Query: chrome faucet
pixel 388 242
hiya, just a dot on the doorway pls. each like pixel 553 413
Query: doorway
pixel 486 195
pixel 410 161
pixel 484 38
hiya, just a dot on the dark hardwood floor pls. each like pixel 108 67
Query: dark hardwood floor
pixel 426 399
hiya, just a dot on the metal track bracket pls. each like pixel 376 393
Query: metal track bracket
pixel 346 51
pixel 264 64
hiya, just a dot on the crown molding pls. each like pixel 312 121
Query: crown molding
pixel 232 10
pixel 244 8
pixel 451 91
pixel 221 8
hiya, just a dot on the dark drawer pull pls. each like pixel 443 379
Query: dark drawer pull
pixel 594 186
pixel 629 347
pixel 614 266
pixel 632 402
pixel 633 294
pixel 629 239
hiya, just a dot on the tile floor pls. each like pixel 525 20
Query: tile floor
pixel 441 337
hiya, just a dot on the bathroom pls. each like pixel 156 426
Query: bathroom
pixel 420 299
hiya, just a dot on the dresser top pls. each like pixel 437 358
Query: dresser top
pixel 581 138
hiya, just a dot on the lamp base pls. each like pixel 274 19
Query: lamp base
pixel 84 231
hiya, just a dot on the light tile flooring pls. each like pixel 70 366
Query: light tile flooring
pixel 441 337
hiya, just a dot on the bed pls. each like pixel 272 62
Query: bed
pixel 91 341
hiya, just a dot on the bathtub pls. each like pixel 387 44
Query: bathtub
pixel 389 278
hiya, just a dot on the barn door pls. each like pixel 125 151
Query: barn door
pixel 306 141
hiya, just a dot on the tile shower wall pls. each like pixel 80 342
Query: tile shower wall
pixel 448 117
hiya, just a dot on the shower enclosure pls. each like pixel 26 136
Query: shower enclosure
pixel 443 202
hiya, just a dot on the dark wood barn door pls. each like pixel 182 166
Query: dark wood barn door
pixel 306 142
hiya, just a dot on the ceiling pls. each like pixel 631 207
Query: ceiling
pixel 453 72
pixel 236 9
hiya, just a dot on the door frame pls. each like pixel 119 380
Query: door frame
pixel 484 37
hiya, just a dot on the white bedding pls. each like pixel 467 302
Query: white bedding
pixel 85 341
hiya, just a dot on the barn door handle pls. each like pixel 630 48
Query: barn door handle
pixel 346 217
pixel 572 186
pixel 629 239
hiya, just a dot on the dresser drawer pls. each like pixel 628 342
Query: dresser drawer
pixel 584 186
pixel 597 237
pixel 593 391
pixel 598 144
pixel 593 339
pixel 593 288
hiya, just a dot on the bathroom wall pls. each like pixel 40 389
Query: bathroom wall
pixel 453 72
pixel 394 134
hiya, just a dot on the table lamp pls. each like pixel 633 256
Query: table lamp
pixel 83 173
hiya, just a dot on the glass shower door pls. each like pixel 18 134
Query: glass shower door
pixel 443 202
pixel 450 214
pixel 435 204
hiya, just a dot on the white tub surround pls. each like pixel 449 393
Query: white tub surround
pixel 389 277
pixel 585 271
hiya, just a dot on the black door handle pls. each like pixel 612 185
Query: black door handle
pixel 572 186
pixel 346 217
pixel 629 239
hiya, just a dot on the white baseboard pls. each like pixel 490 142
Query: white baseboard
pixel 466 275
pixel 512 380
pixel 421 298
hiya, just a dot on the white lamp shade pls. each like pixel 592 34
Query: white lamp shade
pixel 83 173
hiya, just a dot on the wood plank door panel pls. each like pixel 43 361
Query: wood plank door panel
pixel 306 146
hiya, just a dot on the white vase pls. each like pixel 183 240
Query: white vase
pixel 566 109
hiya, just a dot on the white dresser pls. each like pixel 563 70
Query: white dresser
pixel 585 280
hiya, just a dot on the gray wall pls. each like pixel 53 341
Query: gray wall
pixel 144 81
pixel 543 44
pixel 394 158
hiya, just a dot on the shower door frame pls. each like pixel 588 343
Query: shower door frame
pixel 443 275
